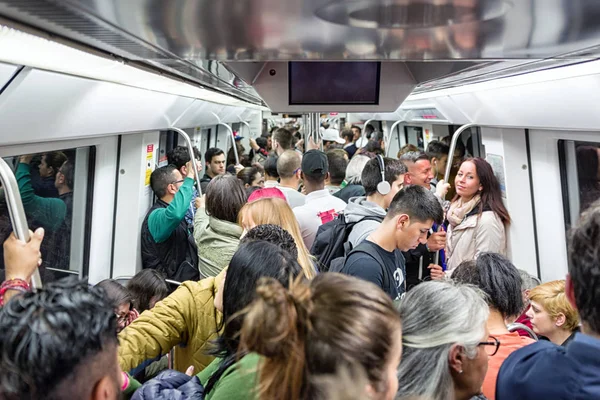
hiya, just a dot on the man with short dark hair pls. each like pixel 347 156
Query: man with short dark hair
pixel 338 162
pixel 544 370
pixel 349 145
pixel 378 259
pixel 215 165
pixel 59 343
pixel 53 214
pixel 290 173
pixel 368 211
pixel 167 242
pixel 438 155
pixel 179 157
pixel 271 174
pixel 282 140
pixel 320 207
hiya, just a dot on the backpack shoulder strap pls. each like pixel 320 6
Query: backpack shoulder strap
pixel 367 247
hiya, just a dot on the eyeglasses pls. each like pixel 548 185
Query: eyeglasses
pixel 121 319
pixel 491 347
pixel 179 181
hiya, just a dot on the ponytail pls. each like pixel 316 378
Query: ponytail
pixel 276 326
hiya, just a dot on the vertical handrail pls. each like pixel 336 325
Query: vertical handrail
pixel 363 138
pixel 455 137
pixel 190 147
pixel 387 144
pixel 17 213
pixel 235 152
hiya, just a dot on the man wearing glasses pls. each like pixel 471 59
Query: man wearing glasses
pixel 167 242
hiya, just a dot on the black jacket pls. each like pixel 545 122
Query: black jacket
pixel 176 257
pixel 171 385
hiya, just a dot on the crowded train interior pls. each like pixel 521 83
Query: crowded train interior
pixel 299 199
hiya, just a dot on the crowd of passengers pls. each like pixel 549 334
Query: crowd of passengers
pixel 336 274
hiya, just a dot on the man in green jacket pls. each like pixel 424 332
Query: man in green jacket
pixel 167 243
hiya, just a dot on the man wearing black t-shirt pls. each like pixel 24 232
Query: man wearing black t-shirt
pixel 378 259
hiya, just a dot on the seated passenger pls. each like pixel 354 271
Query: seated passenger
pixel 147 288
pixel 338 162
pixel 216 230
pixel 320 207
pixel 271 175
pixel 278 212
pixel 251 177
pixel 48 168
pixel 179 157
pixel 167 243
pixel 228 376
pixel 545 370
pixel 312 330
pixel 188 317
pixel 499 279
pixel 378 258
pixel 445 342
pixel 551 314
pixel 352 186
pixel 60 343
pixel 368 212
pixel 121 302
pixel 477 217
pixel 288 168
pixel 53 214
pixel 214 159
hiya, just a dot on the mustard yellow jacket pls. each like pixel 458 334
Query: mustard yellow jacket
pixel 186 320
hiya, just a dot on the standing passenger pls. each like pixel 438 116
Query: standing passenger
pixel 500 280
pixel 282 140
pixel 216 230
pixel 438 155
pixel 51 163
pixel 290 172
pixel 314 330
pixel 338 162
pixel 349 146
pixel 551 314
pixel 353 185
pixel 215 165
pixel 378 258
pixel 271 175
pixel 251 177
pixel 167 243
pixel 320 207
pixel 179 157
pixel 477 216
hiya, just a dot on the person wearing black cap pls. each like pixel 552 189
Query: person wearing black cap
pixel 320 206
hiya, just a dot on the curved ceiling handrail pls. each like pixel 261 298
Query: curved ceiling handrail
pixel 387 145
pixel 190 147
pixel 235 152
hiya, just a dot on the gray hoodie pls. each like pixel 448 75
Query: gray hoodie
pixel 357 209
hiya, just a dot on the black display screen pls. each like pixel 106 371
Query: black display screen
pixel 334 83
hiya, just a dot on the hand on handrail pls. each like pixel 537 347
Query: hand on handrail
pixel 20 258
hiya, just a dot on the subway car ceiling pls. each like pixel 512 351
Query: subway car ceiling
pixel 84 68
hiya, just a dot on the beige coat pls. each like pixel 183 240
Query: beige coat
pixel 475 235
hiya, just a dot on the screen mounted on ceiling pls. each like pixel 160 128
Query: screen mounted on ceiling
pixel 322 83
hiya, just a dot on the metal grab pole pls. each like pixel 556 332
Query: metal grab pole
pixel 17 213
pixel 190 147
pixel 455 137
pixel 237 158
pixel 387 144
pixel 364 132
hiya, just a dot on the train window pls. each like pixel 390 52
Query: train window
pixel 55 188
pixel 580 177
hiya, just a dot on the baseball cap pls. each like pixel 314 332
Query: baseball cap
pixel 315 164
pixel 237 136
pixel 332 135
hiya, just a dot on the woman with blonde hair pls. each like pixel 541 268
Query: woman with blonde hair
pixel 273 210
pixel 551 313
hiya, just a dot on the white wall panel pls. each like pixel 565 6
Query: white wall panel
pixel 510 145
pixel 549 212
pixel 6 72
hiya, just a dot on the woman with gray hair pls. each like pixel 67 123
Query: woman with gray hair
pixel 352 180
pixel 445 342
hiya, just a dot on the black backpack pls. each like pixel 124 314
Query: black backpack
pixel 331 241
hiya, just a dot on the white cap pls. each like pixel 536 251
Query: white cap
pixel 332 135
